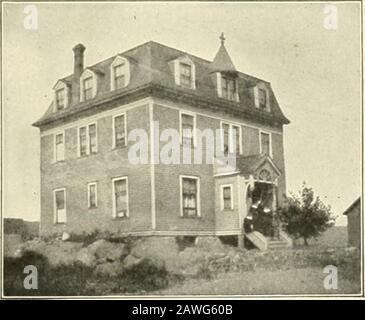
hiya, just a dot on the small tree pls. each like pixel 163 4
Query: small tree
pixel 305 216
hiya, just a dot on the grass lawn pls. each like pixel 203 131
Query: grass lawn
pixel 295 281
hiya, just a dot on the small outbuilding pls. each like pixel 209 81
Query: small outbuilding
pixel 354 223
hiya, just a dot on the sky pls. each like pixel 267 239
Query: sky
pixel 315 74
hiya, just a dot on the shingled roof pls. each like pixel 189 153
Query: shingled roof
pixel 151 75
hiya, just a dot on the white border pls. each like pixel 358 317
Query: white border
pixel 55 160
pixel 270 140
pixel 124 114
pixel 88 194
pixel 181 177
pixel 55 216
pixel 113 196
pixel 230 186
pixel 191 114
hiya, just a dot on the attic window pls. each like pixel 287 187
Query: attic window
pixel 229 88
pixel 119 73
pixel 261 94
pixel 119 77
pixel 184 70
pixel 61 94
pixel 60 99
pixel 185 75
pixel 88 85
pixel 262 99
pixel 88 88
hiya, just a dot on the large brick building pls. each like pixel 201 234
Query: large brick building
pixel 87 179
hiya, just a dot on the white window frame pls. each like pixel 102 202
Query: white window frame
pixel 198 208
pixel 113 196
pixel 59 86
pixel 270 141
pixel 188 61
pixel 86 74
pixel 192 114
pixel 55 213
pixel 230 127
pixel 230 186
pixel 55 146
pixel 125 129
pixel 118 61
pixel 220 88
pixel 88 194
pixel 87 138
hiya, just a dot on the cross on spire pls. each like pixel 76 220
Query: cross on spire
pixel 222 38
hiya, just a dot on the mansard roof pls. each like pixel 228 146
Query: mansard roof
pixel 152 75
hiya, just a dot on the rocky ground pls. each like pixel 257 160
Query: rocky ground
pixel 204 267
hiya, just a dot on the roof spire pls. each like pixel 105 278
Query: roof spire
pixel 222 61
pixel 222 38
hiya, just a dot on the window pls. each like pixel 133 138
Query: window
pixel 119 73
pixel 119 77
pixel 265 143
pixel 59 147
pixel 261 95
pixel 87 140
pixel 190 196
pixel 262 99
pixel 185 75
pixel 228 88
pixel 231 137
pixel 60 205
pixel 88 88
pixel 184 72
pixel 226 197
pixel 61 95
pixel 187 129
pixel 92 197
pixel 119 128
pixel 92 138
pixel 120 197
pixel 60 99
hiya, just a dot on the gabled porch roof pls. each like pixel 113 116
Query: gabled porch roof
pixel 250 165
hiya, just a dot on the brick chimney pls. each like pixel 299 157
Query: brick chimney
pixel 78 59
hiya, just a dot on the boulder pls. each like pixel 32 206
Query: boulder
pixel 65 236
pixel 108 251
pixel 12 244
pixel 162 248
pixel 111 269
pixel 85 257
pixel 210 243
pixel 130 261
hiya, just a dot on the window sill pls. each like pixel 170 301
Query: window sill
pixel 120 218
pixel 193 217
pixel 87 155
pixel 119 148
pixel 59 161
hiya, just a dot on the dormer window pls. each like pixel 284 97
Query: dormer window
pixel 88 85
pixel 261 94
pixel 88 88
pixel 262 99
pixel 119 73
pixel 185 75
pixel 60 99
pixel 184 70
pixel 61 95
pixel 228 88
